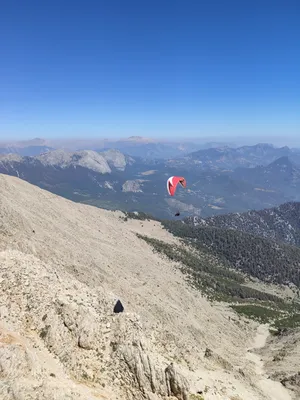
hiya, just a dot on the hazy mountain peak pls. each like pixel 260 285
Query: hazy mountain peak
pixel 91 160
pixel 265 146
pixel 57 157
pixel 37 141
pixel 284 160
pixel 284 165
pixel 99 162
pixel 138 139
pixel 115 158
pixel 86 158
pixel 29 142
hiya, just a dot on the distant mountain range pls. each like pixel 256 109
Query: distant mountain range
pixel 114 180
pixel 183 153
pixel 32 147
pixel 231 158
pixel 135 146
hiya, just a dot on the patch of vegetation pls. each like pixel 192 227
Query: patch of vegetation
pixel 292 321
pixel 204 272
pixel 196 397
pixel 262 258
pixel 140 216
pixel 44 332
pixel 275 317
pixel 217 281
pixel 257 312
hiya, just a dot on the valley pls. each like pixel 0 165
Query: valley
pixel 114 180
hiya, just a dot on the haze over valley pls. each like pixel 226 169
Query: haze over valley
pixel 220 179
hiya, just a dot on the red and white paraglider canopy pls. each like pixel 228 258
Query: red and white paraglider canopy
pixel 172 183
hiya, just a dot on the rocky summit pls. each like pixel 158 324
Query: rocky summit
pixel 63 268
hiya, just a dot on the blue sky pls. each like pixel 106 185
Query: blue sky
pixel 165 68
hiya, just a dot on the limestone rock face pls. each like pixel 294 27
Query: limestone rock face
pixel 132 186
pixel 101 162
pixel 94 345
pixel 150 378
pixel 176 384
pixel 115 158
pixel 86 158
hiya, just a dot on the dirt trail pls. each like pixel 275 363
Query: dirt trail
pixel 274 390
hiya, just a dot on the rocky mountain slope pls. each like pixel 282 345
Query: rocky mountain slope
pixel 63 266
pixel 96 162
pixel 102 163
pixel 278 223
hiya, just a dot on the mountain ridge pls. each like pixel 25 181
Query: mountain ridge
pixel 244 156
pixel 63 266
pixel 222 154
pixel 280 223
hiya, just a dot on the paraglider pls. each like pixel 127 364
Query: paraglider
pixel 172 183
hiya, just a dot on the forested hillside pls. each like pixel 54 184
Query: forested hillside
pixel 253 255
pixel 279 223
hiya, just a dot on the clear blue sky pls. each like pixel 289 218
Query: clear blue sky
pixel 151 68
